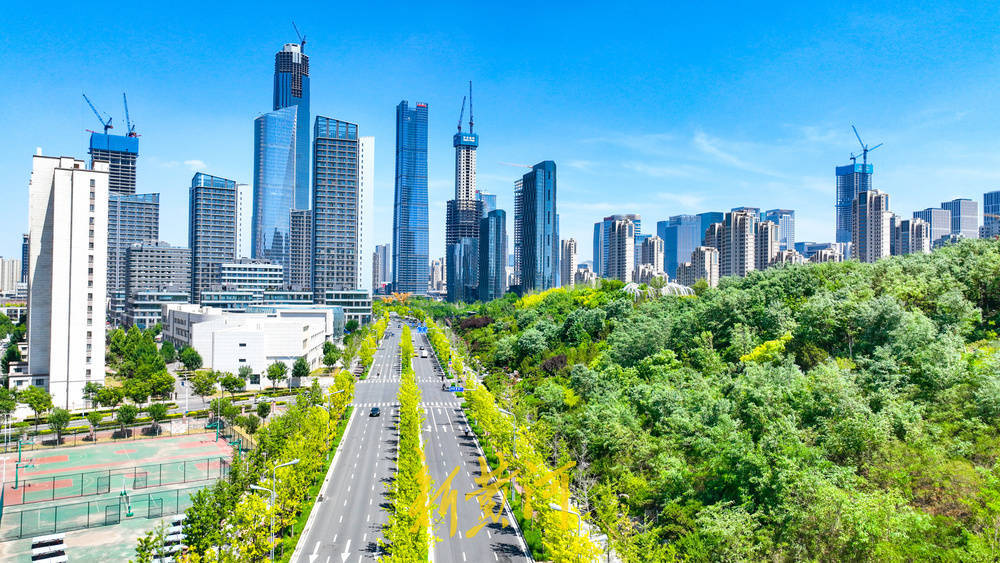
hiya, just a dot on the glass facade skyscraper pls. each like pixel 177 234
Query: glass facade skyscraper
pixel 964 217
pixel 681 234
pixel 489 201
pixel 274 171
pixel 493 255
pixel 211 230
pixel 335 206
pixel 131 218
pixel 851 180
pixel 291 89
pixel 785 220
pixel 409 222
pixel 539 225
pixel 991 207
pixel 602 239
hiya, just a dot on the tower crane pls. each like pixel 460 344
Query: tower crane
pixel 302 38
pixel 470 106
pixel 461 115
pixel 865 149
pixel 128 122
pixel 107 124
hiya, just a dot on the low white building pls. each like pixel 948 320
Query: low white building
pixel 229 340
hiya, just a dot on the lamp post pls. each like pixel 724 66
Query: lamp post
pixel 579 521
pixel 273 491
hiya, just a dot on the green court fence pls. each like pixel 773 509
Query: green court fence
pixel 72 485
pixel 96 513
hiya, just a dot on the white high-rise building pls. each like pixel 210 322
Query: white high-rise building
pixel 244 219
pixel 651 253
pixel 10 275
pixel 67 276
pixel 366 210
pixel 567 262
pixel 621 250
pixel 872 229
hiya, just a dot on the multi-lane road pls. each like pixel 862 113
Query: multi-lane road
pixel 347 523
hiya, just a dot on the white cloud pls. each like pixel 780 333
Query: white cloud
pixel 689 201
pixel 195 165
pixel 666 171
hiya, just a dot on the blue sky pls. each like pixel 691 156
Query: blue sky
pixel 649 109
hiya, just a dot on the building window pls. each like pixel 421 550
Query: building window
pixel 93 183
pixel 243 345
pixel 39 382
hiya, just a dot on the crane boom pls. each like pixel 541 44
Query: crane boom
pixel 470 106
pixel 107 124
pixel 302 38
pixel 462 114
pixel 128 121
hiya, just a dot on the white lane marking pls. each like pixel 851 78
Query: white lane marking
pixel 463 556
pixel 315 548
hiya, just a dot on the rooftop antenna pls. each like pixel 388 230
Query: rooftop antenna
pixel 865 149
pixel 470 106
pixel 462 114
pixel 302 38
pixel 106 123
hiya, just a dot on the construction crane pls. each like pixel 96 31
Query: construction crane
pixel 865 149
pixel 461 115
pixel 128 122
pixel 107 124
pixel 302 38
pixel 470 106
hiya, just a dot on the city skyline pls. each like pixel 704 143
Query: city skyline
pixel 769 146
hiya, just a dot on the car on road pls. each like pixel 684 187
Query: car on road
pixel 375 411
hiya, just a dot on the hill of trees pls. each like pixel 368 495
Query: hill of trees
pixel 819 412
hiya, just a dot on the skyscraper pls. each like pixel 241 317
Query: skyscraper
pixel 274 185
pixel 300 249
pixel 912 236
pixel 381 266
pixel 132 218
pixel 621 250
pixel 463 217
pixel 708 219
pixel 964 217
pixel 155 266
pixel 120 152
pixel 602 234
pixel 211 230
pixel 851 180
pixel 409 221
pixel 335 207
pixel 493 255
pixel 25 252
pixel 538 223
pixel 939 221
pixel 652 253
pixel 489 201
pixel 68 237
pixel 10 275
pixel 291 89
pixel 681 234
pixel 244 220
pixel 734 237
pixel 785 219
pixel 991 207
pixel 704 265
pixel 567 262
pixel 871 230
pixel 766 244
pixel 462 269
pixel 366 209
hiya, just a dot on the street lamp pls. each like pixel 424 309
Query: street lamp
pixel 274 485
pixel 579 521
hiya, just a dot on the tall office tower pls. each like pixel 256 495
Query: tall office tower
pixel 211 230
pixel 25 250
pixel 274 185
pixel 871 220
pixel 515 254
pixel 381 266
pixel 462 218
pixel 621 250
pixel 489 201
pixel 785 219
pixel 567 262
pixel 602 232
pixel 681 234
pixel 637 247
pixel 704 265
pixel 911 236
pixel 991 207
pixel 300 251
pixel 493 255
pixel 335 207
pixel 67 277
pixel 462 269
pixel 766 244
pixel 708 219
pixel 10 275
pixel 964 217
pixel 366 209
pixel 244 220
pixel 436 277
pixel 409 219
pixel 120 152
pixel 652 253
pixel 132 218
pixel 539 226
pixel 939 220
pixel 895 222
pixel 736 243
pixel 851 180
pixel 291 90
pixel 155 266
pixel 713 235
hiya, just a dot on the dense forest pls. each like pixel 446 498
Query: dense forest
pixel 839 411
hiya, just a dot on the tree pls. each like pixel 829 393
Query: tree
pixel 11 355
pixel 231 383
pixel 245 373
pixel 249 422
pixel 190 358
pixel 158 412
pixel 330 357
pixel 38 399
pixel 126 414
pixel 116 343
pixel 277 372
pixel 263 409
pixel 151 547
pixel 168 352
pixel 94 418
pixel 161 384
pixel 315 393
pixel 137 390
pixel 351 326
pixel 90 390
pixel 58 421
pixel 8 401
pixel 109 396
pixel 203 385
pixel 300 371
pixel 329 347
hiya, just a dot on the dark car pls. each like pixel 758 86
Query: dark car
pixel 375 412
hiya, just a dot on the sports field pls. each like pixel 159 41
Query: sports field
pixel 66 489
